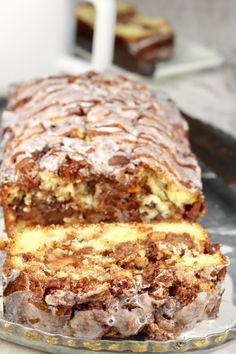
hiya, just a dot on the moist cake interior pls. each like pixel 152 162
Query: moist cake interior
pixel 59 200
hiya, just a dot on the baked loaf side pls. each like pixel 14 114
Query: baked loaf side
pixel 140 41
pixel 95 147
pixel 119 280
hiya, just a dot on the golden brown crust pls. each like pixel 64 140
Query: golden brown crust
pixel 114 118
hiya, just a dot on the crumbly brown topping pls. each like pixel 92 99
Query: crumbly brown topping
pixel 94 124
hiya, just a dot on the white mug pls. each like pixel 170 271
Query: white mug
pixel 37 38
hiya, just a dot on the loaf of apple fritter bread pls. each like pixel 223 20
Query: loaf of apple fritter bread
pixel 98 280
pixel 92 148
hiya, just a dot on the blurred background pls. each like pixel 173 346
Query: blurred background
pixel 197 62
pixel 211 22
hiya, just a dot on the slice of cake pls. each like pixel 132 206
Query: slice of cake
pixel 95 147
pixel 140 41
pixel 91 281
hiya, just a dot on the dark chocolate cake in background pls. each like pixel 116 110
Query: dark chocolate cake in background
pixel 140 41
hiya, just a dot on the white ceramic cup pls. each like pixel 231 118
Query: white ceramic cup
pixel 37 38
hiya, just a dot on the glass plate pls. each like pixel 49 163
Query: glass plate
pixel 207 334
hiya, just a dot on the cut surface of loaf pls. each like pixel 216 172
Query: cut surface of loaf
pixel 92 281
pixel 95 147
